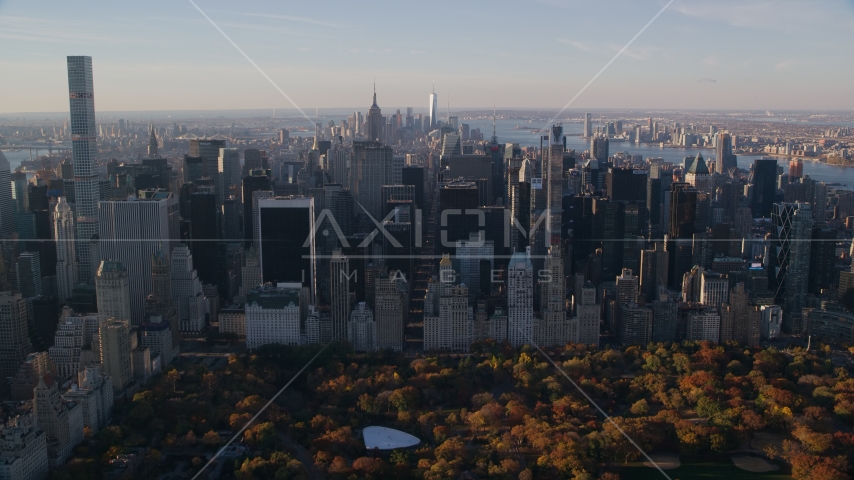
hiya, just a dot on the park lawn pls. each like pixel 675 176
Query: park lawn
pixel 704 467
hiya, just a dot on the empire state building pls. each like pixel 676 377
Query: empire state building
pixel 374 121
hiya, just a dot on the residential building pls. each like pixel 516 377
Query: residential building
pixel 34 367
pixel 704 325
pixel 233 320
pixel 84 154
pixel 23 449
pixel 588 314
pixel 113 291
pixel 61 421
pixel 361 329
pixel 94 392
pixel 116 350
pixel 14 337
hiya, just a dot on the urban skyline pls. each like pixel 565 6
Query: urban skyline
pixel 491 291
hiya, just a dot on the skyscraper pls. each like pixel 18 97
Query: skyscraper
pixel 187 295
pixel 361 329
pixel 448 322
pixel 553 329
pixel 588 314
pixel 194 168
pixel 116 351
pixel 681 227
pixel 627 287
pixel 369 171
pixel 764 181
pixel 254 159
pixel 287 246
pixel 152 142
pixel 588 126
pixel 520 300
pixel 208 150
pixel 131 232
pixel 113 291
pixel 229 173
pixel 84 152
pixel 254 182
pixel 390 311
pixel 67 270
pixel 724 159
pixel 792 232
pixel 339 158
pixel 599 148
pixel 204 235
pixel 339 284
pixel 375 122
pixel 714 289
pixel 15 340
pixel 7 216
pixel 250 273
pixel 160 300
pixel 28 272
pixel 553 169
pixel 432 108
pixel 698 175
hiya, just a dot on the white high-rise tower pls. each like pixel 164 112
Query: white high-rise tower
pixel 67 272
pixel 84 151
pixel 187 293
pixel 433 107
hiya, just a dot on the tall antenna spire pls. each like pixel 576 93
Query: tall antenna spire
pixel 375 90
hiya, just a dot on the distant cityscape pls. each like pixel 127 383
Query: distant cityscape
pixel 133 245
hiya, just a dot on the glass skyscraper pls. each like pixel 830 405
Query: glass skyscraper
pixel 84 151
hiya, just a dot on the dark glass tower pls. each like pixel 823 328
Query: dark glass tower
pixel 287 250
pixel 683 213
pixel 204 234
pixel 414 175
pixel 764 181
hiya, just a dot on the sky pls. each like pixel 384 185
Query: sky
pixel 699 54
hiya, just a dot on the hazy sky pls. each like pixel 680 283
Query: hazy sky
pixel 163 55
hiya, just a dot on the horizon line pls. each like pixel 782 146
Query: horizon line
pixel 461 109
